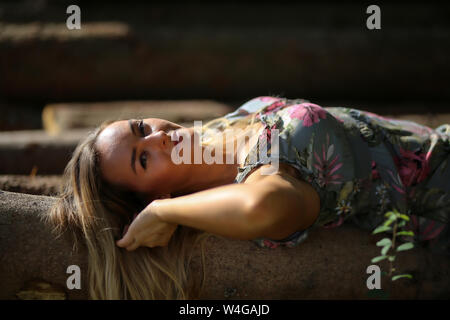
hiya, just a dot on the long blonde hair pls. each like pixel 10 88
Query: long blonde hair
pixel 95 212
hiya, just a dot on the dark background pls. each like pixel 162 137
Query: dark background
pixel 226 51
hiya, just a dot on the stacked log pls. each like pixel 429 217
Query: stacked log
pixel 330 264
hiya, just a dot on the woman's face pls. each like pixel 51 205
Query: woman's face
pixel 137 154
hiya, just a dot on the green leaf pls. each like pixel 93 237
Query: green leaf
pixel 384 242
pixel 385 249
pixel 401 224
pixel 388 214
pixel 404 217
pixel 391 258
pixel 401 276
pixel 379 258
pixel 405 233
pixel 405 246
pixel 381 229
pixel 388 222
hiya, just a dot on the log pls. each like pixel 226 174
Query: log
pixel 189 51
pixel 22 152
pixel 330 264
pixel 33 263
pixel 31 184
pixel 57 118
pixel 20 116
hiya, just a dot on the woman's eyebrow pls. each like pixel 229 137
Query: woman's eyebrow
pixel 130 122
pixel 133 153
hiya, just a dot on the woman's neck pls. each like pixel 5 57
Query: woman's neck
pixel 204 176
pixel 209 175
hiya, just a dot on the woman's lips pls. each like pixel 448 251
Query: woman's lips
pixel 179 140
pixel 176 138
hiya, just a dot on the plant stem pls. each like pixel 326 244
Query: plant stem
pixel 393 246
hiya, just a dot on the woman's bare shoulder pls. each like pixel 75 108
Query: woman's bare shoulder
pixel 283 169
pixel 289 174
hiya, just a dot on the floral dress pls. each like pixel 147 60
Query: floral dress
pixel 360 164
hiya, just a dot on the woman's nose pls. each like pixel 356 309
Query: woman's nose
pixel 158 139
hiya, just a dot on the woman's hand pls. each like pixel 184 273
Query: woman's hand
pixel 148 230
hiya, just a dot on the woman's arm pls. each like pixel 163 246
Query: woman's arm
pixel 272 206
pixel 265 206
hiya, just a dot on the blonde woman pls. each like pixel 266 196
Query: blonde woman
pixel 140 210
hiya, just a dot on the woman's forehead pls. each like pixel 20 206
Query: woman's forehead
pixel 113 145
pixel 113 133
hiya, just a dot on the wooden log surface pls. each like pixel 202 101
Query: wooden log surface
pixel 330 264
pixel 226 50
pixel 21 152
pixel 57 118
pixel 31 184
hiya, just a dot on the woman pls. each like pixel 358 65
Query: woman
pixel 330 164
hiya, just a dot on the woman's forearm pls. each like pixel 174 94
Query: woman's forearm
pixel 225 211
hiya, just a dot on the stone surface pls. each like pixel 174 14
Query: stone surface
pixel 330 264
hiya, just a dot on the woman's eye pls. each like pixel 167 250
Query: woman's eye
pixel 143 160
pixel 141 127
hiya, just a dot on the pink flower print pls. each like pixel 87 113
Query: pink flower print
pixel 424 228
pixel 334 224
pixel 326 166
pixel 267 134
pixel 397 182
pixel 310 113
pixel 339 119
pixel 412 167
pixel 270 244
pixel 274 107
pixel 375 174
pixel 268 99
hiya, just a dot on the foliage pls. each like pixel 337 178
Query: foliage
pixel 394 223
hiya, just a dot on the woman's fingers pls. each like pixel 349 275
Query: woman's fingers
pixel 146 230
pixel 122 242
pixel 133 246
pixel 126 240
